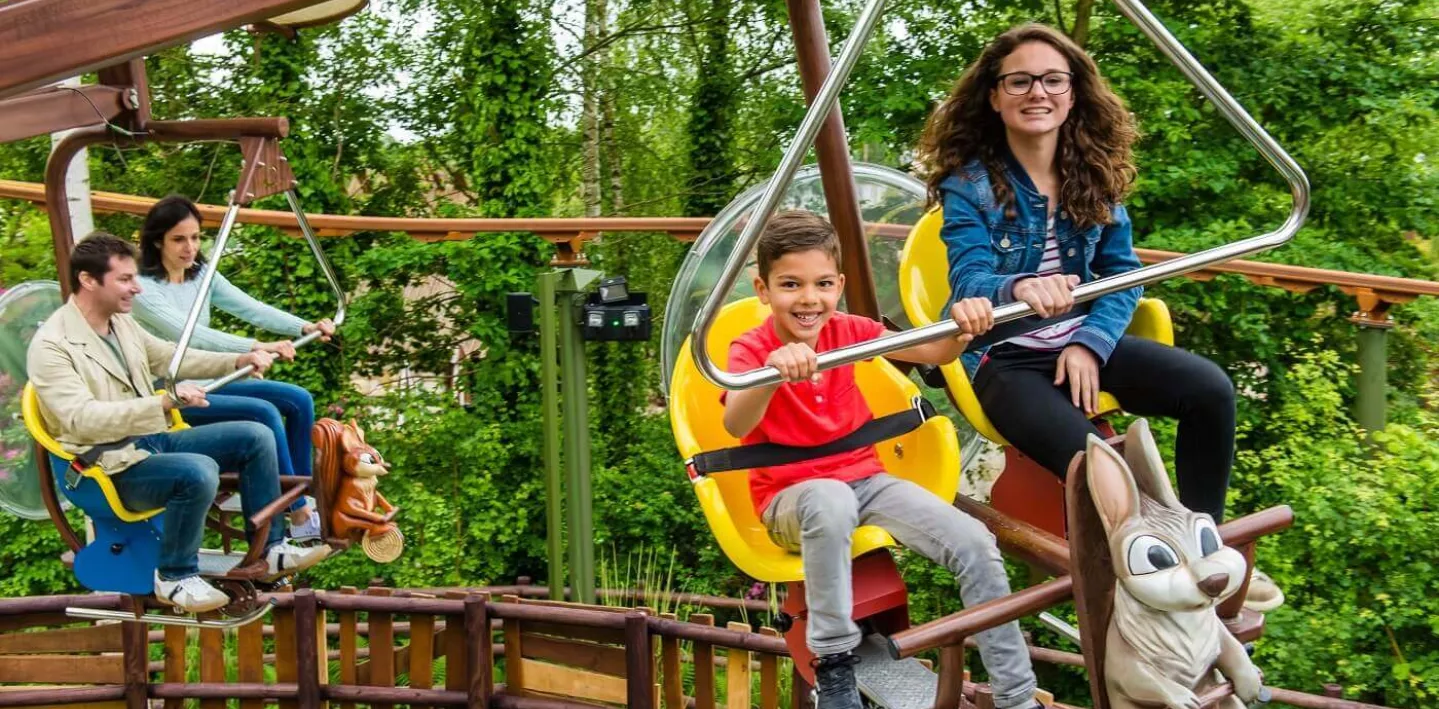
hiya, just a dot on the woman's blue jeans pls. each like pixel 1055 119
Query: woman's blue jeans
pixel 183 475
pixel 287 410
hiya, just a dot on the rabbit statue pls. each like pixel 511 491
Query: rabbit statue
pixel 1165 641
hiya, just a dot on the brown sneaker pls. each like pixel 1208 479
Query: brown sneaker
pixel 1264 595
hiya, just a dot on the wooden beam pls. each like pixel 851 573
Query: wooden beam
pixel 90 638
pixel 50 110
pixel 62 669
pixel 44 41
pixel 131 76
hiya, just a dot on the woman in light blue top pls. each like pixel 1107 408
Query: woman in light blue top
pixel 171 263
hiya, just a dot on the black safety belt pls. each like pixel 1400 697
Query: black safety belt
pixel 83 461
pixel 768 455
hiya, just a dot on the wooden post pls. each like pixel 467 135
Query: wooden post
pixel 799 689
pixel 951 675
pixel 135 643
pixel 983 697
pixel 514 653
pixel 479 650
pixel 769 675
pixel 251 649
pixel 639 662
pixel 307 662
pixel 422 653
pixel 212 663
pixel 671 672
pixel 737 673
pixel 382 648
pixel 349 644
pixel 704 661
pixel 285 669
pixel 175 643
pixel 456 650
pixel 831 148
pixel 1232 606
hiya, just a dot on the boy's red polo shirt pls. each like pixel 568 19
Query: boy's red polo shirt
pixel 809 414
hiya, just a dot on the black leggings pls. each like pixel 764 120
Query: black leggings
pixel 1016 387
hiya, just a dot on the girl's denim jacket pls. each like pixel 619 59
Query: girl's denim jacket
pixel 989 252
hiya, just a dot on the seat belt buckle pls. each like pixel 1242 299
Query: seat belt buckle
pixel 694 474
pixel 73 475
pixel 922 406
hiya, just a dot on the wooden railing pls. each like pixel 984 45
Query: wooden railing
pixel 551 655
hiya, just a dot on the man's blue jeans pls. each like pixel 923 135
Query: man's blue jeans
pixel 287 410
pixel 183 475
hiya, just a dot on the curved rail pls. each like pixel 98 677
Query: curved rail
pixel 825 101
pixel 207 278
pixel 101 614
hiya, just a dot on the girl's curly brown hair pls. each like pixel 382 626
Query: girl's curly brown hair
pixel 1096 164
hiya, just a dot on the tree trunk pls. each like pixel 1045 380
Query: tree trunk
pixel 1082 11
pixel 77 181
pixel 590 121
pixel 711 180
pixel 612 151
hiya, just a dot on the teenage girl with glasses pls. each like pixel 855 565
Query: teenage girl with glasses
pixel 1030 158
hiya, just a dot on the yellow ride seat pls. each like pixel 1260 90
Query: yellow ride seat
pixel 35 424
pixel 924 289
pixel 928 455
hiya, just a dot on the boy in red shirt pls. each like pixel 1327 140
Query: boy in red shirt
pixel 815 506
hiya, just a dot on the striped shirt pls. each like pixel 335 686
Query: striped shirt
pixel 1058 335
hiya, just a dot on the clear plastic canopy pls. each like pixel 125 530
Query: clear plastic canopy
pixel 890 202
pixel 23 310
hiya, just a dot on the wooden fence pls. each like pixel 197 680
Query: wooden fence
pixel 383 648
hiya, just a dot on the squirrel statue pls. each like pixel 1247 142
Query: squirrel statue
pixel 349 470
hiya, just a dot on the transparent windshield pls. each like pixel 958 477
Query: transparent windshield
pixel 890 202
pixel 23 310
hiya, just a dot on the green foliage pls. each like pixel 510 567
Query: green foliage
pixel 706 96
pixel 711 182
pixel 1358 567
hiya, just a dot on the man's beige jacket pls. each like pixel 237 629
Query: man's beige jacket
pixel 88 398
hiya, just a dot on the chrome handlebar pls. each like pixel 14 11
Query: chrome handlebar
pixel 826 99
pixel 207 278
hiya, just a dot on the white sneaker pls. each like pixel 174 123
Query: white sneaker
pixel 285 558
pixel 191 594
pixel 1264 595
pixel 310 529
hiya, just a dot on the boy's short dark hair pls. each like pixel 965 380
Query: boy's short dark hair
pixel 92 256
pixel 791 232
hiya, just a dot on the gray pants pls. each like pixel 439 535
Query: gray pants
pixel 818 518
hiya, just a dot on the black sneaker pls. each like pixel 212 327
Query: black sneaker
pixel 835 683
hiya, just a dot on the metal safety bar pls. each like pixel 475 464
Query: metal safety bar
pixel 825 101
pixel 102 614
pixel 207 278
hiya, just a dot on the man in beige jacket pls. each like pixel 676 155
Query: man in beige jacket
pixel 92 368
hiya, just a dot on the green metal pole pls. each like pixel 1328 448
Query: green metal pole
pixel 574 388
pixel 550 416
pixel 1373 383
